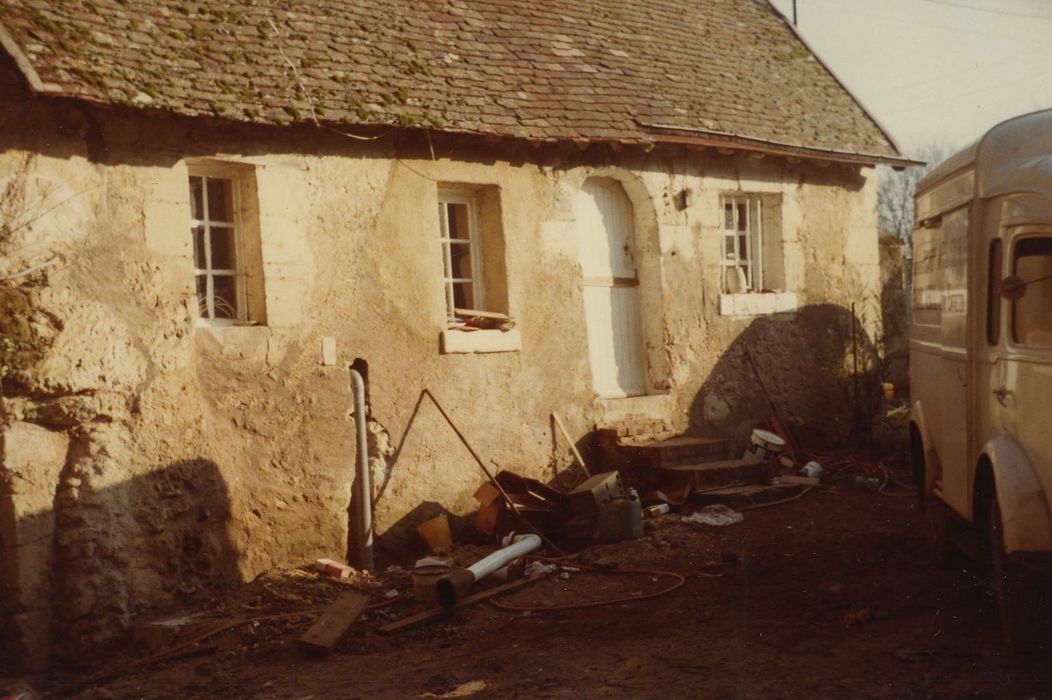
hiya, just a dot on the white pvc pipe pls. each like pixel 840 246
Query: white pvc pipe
pixel 522 544
pixel 363 491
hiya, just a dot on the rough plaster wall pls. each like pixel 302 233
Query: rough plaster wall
pixel 204 456
pixel 33 458
pixel 828 229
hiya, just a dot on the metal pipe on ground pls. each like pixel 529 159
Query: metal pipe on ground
pixel 456 584
pixel 363 491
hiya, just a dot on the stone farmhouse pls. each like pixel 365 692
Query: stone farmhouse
pixel 210 210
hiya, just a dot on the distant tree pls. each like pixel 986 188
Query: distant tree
pixel 895 189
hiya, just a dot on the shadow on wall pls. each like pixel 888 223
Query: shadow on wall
pixel 820 371
pixel 73 576
pixel 399 541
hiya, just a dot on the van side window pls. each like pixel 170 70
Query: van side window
pixel 993 293
pixel 1032 313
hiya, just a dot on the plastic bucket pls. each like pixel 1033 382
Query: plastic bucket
pixel 435 533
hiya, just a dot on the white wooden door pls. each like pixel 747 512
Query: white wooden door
pixel 611 289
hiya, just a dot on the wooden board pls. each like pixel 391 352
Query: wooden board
pixel 334 622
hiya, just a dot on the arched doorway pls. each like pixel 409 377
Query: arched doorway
pixel 606 235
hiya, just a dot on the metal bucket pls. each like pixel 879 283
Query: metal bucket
pixel 424 579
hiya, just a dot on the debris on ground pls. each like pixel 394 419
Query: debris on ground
pixel 764 445
pixel 436 534
pixel 434 561
pixel 539 505
pixel 538 568
pixel 425 578
pixel 812 469
pixel 461 691
pixel 808 619
pixel 439 612
pixel 899 414
pixel 796 480
pixel 656 510
pixel 331 567
pixel 718 515
pixel 604 511
pixel 17 690
pixel 333 623
pixel 329 605
pixel 748 496
pixel 154 635
pixel 453 585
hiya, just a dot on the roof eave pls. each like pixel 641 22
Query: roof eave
pixel 8 44
pixel 687 136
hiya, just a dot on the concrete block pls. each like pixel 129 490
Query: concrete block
pixel 328 351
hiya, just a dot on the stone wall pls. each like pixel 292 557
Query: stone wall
pixel 147 458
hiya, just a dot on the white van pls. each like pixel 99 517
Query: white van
pixel 981 364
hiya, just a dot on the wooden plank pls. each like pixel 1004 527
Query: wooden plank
pixel 334 622
pixel 573 447
pixel 438 613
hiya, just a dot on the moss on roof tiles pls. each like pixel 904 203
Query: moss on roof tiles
pixel 597 69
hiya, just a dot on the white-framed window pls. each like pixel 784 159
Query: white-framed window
pixel 743 244
pixel 215 225
pixel 461 253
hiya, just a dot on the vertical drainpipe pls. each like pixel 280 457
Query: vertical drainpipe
pixel 363 492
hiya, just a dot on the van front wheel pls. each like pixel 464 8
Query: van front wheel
pixel 1023 598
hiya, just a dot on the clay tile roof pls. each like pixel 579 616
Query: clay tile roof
pixel 619 70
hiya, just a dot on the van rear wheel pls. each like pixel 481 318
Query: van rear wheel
pixel 935 513
pixel 1024 598
pixel 937 530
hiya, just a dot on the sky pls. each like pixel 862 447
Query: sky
pixel 935 72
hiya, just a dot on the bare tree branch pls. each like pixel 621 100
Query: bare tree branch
pixel 895 190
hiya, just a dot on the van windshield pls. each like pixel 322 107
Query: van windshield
pixel 1032 313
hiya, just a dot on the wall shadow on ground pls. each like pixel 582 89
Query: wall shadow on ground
pixel 74 577
pixel 805 366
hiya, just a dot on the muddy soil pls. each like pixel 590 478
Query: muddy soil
pixel 829 596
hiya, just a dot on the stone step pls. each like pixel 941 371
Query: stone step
pixel 705 475
pixel 679 450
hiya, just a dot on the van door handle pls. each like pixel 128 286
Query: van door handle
pixel 1002 393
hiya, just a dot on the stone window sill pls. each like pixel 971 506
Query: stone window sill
pixel 757 304
pixel 248 342
pixel 224 323
pixel 491 340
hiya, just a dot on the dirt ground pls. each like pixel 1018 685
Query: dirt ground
pixel 829 596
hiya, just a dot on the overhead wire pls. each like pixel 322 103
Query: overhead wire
pixel 1002 13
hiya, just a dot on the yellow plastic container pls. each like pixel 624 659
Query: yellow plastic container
pixel 435 533
pixel 889 391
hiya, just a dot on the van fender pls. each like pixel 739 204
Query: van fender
pixel 933 467
pixel 1024 509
